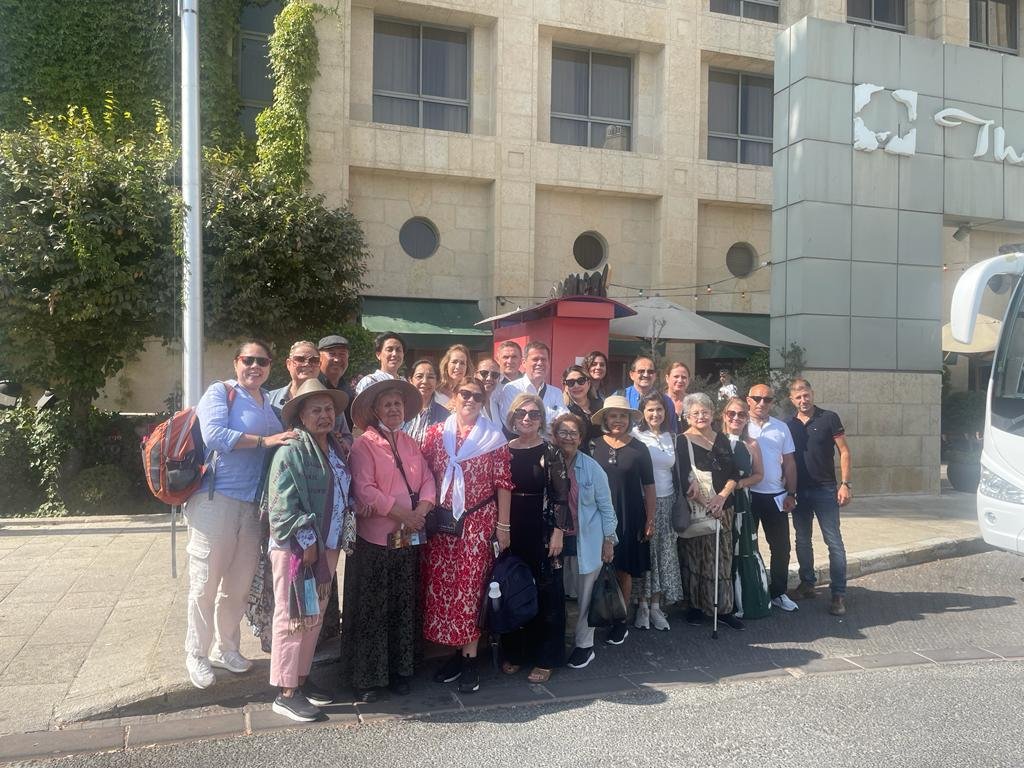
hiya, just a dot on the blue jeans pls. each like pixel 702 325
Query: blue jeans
pixel 821 503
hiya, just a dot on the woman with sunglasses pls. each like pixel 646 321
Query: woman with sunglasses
pixel 578 393
pixel 714 470
pixel 596 366
pixel 470 460
pixel 238 425
pixel 663 580
pixel 455 368
pixel 489 373
pixel 539 514
pixel 627 462
pixel 424 378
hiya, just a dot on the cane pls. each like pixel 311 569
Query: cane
pixel 714 625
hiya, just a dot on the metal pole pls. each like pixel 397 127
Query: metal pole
pixel 191 193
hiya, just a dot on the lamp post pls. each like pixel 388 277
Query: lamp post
pixel 191 193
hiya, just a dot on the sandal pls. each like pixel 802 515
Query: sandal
pixel 509 668
pixel 539 675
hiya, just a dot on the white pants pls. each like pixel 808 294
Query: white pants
pixel 584 589
pixel 223 549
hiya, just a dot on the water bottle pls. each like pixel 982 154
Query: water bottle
pixel 494 595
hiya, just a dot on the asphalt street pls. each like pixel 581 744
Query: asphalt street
pixel 909 713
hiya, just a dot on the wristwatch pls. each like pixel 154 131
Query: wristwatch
pixel 791 493
pixel 846 484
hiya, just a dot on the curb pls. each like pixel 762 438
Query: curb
pixel 160 518
pixel 139 732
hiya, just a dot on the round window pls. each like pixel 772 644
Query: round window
pixel 418 238
pixel 588 250
pixel 740 259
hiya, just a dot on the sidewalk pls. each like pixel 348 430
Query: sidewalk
pixel 92 624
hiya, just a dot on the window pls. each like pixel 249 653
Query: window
pixel 588 250
pixel 591 99
pixel 888 14
pixel 418 238
pixel 420 76
pixel 762 10
pixel 739 118
pixel 994 25
pixel 740 259
pixel 255 80
pixel 1008 379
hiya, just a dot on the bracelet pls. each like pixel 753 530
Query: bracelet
pixel 259 441
pixel 503 526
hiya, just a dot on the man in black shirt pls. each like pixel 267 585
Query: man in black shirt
pixel 816 434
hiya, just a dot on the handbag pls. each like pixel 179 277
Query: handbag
pixel 441 520
pixel 701 522
pixel 681 515
pixel 607 606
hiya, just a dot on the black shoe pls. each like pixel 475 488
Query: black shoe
pixel 400 685
pixel 451 670
pixel 368 695
pixel 695 617
pixel 316 695
pixel 296 707
pixel 618 634
pixel 580 657
pixel 469 682
pixel 732 622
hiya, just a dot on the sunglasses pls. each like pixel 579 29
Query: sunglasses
pixel 521 413
pixel 760 398
pixel 488 374
pixel 468 394
pixel 306 360
pixel 645 371
pixel 575 382
pixel 262 362
pixel 736 414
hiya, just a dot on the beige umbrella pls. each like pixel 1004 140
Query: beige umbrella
pixel 984 338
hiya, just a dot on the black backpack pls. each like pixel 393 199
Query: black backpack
pixel 518 602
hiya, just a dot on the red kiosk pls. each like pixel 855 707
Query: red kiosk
pixel 572 326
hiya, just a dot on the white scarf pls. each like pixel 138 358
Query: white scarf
pixel 483 438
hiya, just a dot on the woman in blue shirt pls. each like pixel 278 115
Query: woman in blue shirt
pixel 238 425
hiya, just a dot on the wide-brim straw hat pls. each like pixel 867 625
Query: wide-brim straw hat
pixel 362 407
pixel 614 403
pixel 308 389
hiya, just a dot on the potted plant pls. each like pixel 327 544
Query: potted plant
pixel 963 425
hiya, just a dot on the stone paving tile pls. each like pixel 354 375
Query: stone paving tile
pixel 970 653
pixel 895 659
pixel 80 624
pixel 9 648
pixel 564 685
pixel 74 600
pixel 58 663
pixel 22 618
pixel 28 707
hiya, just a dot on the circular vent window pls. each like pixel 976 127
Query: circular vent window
pixel 740 259
pixel 418 238
pixel 589 250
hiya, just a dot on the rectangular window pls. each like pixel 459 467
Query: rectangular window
pixel 420 76
pixel 591 99
pixel 994 25
pixel 740 118
pixel 762 10
pixel 255 80
pixel 887 14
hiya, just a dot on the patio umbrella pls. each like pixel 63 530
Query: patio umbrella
pixel 659 319
pixel 984 339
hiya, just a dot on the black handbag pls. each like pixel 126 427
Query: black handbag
pixel 607 606
pixel 442 519
pixel 681 506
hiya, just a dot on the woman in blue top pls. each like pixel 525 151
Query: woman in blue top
pixel 238 425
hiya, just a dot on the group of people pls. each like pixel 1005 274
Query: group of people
pixel 422 481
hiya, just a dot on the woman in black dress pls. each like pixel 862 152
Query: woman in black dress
pixel 579 396
pixel 631 478
pixel 539 515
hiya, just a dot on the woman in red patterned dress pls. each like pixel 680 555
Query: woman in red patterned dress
pixel 469 457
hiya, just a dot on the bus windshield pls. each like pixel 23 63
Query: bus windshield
pixel 1008 369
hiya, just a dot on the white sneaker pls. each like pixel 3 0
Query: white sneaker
pixel 658 619
pixel 199 672
pixel 643 617
pixel 784 603
pixel 232 661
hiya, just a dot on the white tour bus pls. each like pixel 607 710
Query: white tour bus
pixel 1001 492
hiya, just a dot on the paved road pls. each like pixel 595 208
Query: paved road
pixel 907 712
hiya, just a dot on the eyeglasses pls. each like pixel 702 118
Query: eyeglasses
pixel 568 434
pixel 488 374
pixel 468 394
pixel 760 398
pixel 575 382
pixel 521 413
pixel 262 362
pixel 305 360
pixel 699 414
pixel 735 414
pixel 645 371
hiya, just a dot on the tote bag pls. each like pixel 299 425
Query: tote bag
pixel 701 522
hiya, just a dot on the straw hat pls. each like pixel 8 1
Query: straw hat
pixel 362 407
pixel 614 403
pixel 308 389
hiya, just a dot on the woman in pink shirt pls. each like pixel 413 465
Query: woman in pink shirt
pixel 394 489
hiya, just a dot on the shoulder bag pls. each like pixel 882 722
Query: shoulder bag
pixel 701 522
pixel 681 505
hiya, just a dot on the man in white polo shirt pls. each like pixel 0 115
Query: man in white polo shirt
pixel 535 382
pixel 774 497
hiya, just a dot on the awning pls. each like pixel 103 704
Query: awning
pixel 427 323
pixel 755 326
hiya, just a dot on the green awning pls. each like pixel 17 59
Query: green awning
pixel 630 348
pixel 756 327
pixel 427 323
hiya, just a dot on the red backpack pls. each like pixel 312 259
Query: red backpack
pixel 174 456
